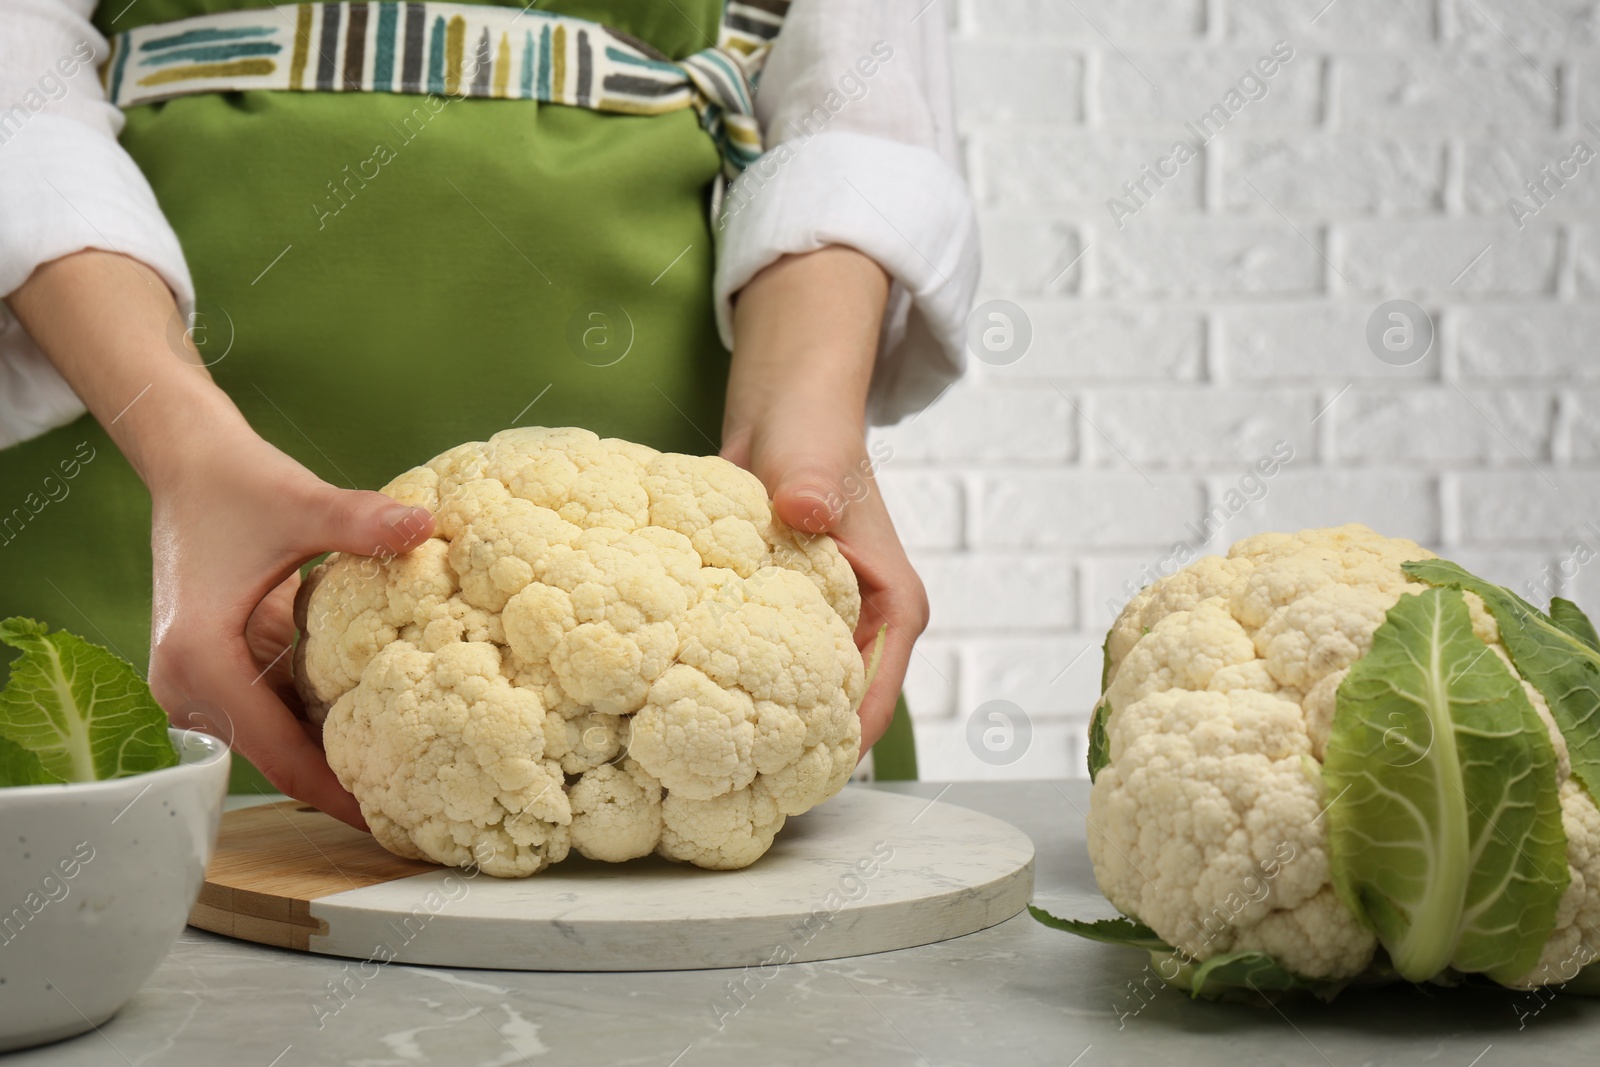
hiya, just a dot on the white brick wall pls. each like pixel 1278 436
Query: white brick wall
pixel 1230 313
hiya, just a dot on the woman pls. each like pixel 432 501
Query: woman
pixel 393 260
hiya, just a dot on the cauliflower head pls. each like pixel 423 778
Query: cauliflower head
pixel 1258 750
pixel 602 648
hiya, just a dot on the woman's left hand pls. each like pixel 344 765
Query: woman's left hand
pixel 806 335
pixel 821 482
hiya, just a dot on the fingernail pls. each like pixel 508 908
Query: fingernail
pixel 820 508
pixel 403 517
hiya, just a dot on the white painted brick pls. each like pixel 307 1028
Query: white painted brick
pixel 1577 569
pixel 1494 173
pixel 1206 321
pixel 1178 85
pixel 1582 420
pixel 1082 508
pixel 1056 750
pixel 1094 342
pixel 973 422
pixel 1443 89
pixel 1359 24
pixel 1394 259
pixel 1048 677
pixel 1205 259
pixel 1323 175
pixel 1036 672
pixel 1394 504
pixel 1442 424
pixel 1078 173
pixel 974 592
pixel 1123 21
pixel 1586 262
pixel 1306 343
pixel 933 679
pixel 1582 69
pixel 1546 340
pixel 1025 255
pixel 1158 428
pixel 1530 25
pixel 1002 82
pixel 926 506
pixel 1524 506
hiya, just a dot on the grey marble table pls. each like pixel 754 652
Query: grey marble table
pixel 1017 993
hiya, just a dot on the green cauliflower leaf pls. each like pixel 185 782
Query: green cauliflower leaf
pixel 1567 615
pixel 1562 666
pixel 19 766
pixel 1118 931
pixel 80 710
pixel 1444 830
pixel 1236 975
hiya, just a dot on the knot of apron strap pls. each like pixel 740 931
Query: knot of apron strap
pixel 457 50
pixel 725 88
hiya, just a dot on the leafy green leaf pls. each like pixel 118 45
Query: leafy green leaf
pixel 1237 975
pixel 1563 667
pixel 1099 755
pixel 1099 751
pixel 1444 829
pixel 18 766
pixel 1255 971
pixel 1118 931
pixel 1567 615
pixel 83 711
pixel 1105 662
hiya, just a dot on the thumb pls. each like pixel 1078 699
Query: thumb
pixel 369 524
pixel 810 499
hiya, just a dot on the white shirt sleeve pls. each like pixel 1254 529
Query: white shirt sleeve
pixel 855 109
pixel 65 185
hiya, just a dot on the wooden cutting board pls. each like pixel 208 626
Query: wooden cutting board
pixel 866 872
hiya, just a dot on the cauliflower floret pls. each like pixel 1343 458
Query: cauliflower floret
pixel 725 832
pixel 445 755
pixel 1205 797
pixel 616 813
pixel 500 543
pixel 1203 579
pixel 774 636
pixel 695 736
pixel 368 614
pixel 601 647
pixel 819 559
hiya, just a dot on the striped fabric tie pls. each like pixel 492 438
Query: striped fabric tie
pixel 399 46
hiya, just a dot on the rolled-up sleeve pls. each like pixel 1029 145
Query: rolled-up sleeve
pixel 65 185
pixel 856 114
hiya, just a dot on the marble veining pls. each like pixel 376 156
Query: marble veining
pixel 1014 994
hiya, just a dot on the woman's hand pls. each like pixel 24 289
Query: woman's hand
pixel 230 529
pixel 233 518
pixel 805 340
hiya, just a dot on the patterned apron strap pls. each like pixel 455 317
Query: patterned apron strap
pixel 402 46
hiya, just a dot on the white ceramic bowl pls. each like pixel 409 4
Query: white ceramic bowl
pixel 96 881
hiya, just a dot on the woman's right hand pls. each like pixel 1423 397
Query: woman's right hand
pixel 233 517
pixel 231 525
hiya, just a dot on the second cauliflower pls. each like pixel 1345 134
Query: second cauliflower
pixel 1332 757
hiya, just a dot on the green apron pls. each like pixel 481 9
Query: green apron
pixel 382 276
